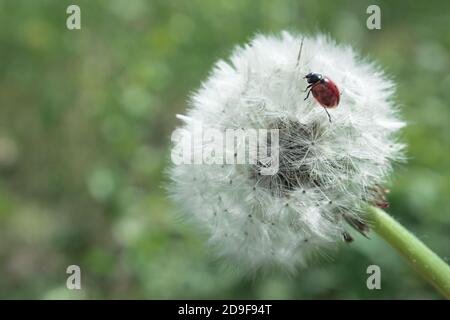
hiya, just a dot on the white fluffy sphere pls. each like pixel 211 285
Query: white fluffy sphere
pixel 327 170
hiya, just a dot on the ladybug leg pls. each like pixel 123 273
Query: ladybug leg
pixel 307 95
pixel 308 87
pixel 329 117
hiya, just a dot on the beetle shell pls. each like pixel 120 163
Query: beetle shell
pixel 326 93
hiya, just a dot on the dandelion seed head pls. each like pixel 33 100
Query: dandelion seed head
pixel 326 170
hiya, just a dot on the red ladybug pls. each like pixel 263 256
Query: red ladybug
pixel 324 90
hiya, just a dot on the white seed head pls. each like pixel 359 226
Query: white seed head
pixel 327 170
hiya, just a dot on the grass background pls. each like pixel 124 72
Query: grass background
pixel 85 122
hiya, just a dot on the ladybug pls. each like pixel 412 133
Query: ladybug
pixel 324 90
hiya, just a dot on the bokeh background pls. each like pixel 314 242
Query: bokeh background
pixel 85 124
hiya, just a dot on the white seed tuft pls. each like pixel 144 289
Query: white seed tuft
pixel 326 169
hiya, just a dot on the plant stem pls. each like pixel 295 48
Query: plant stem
pixel 421 258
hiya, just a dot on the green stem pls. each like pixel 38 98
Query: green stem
pixel 421 258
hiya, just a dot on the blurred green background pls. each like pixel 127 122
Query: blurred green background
pixel 85 122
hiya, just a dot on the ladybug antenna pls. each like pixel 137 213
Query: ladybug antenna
pixel 299 52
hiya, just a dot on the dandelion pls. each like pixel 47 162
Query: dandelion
pixel 328 170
